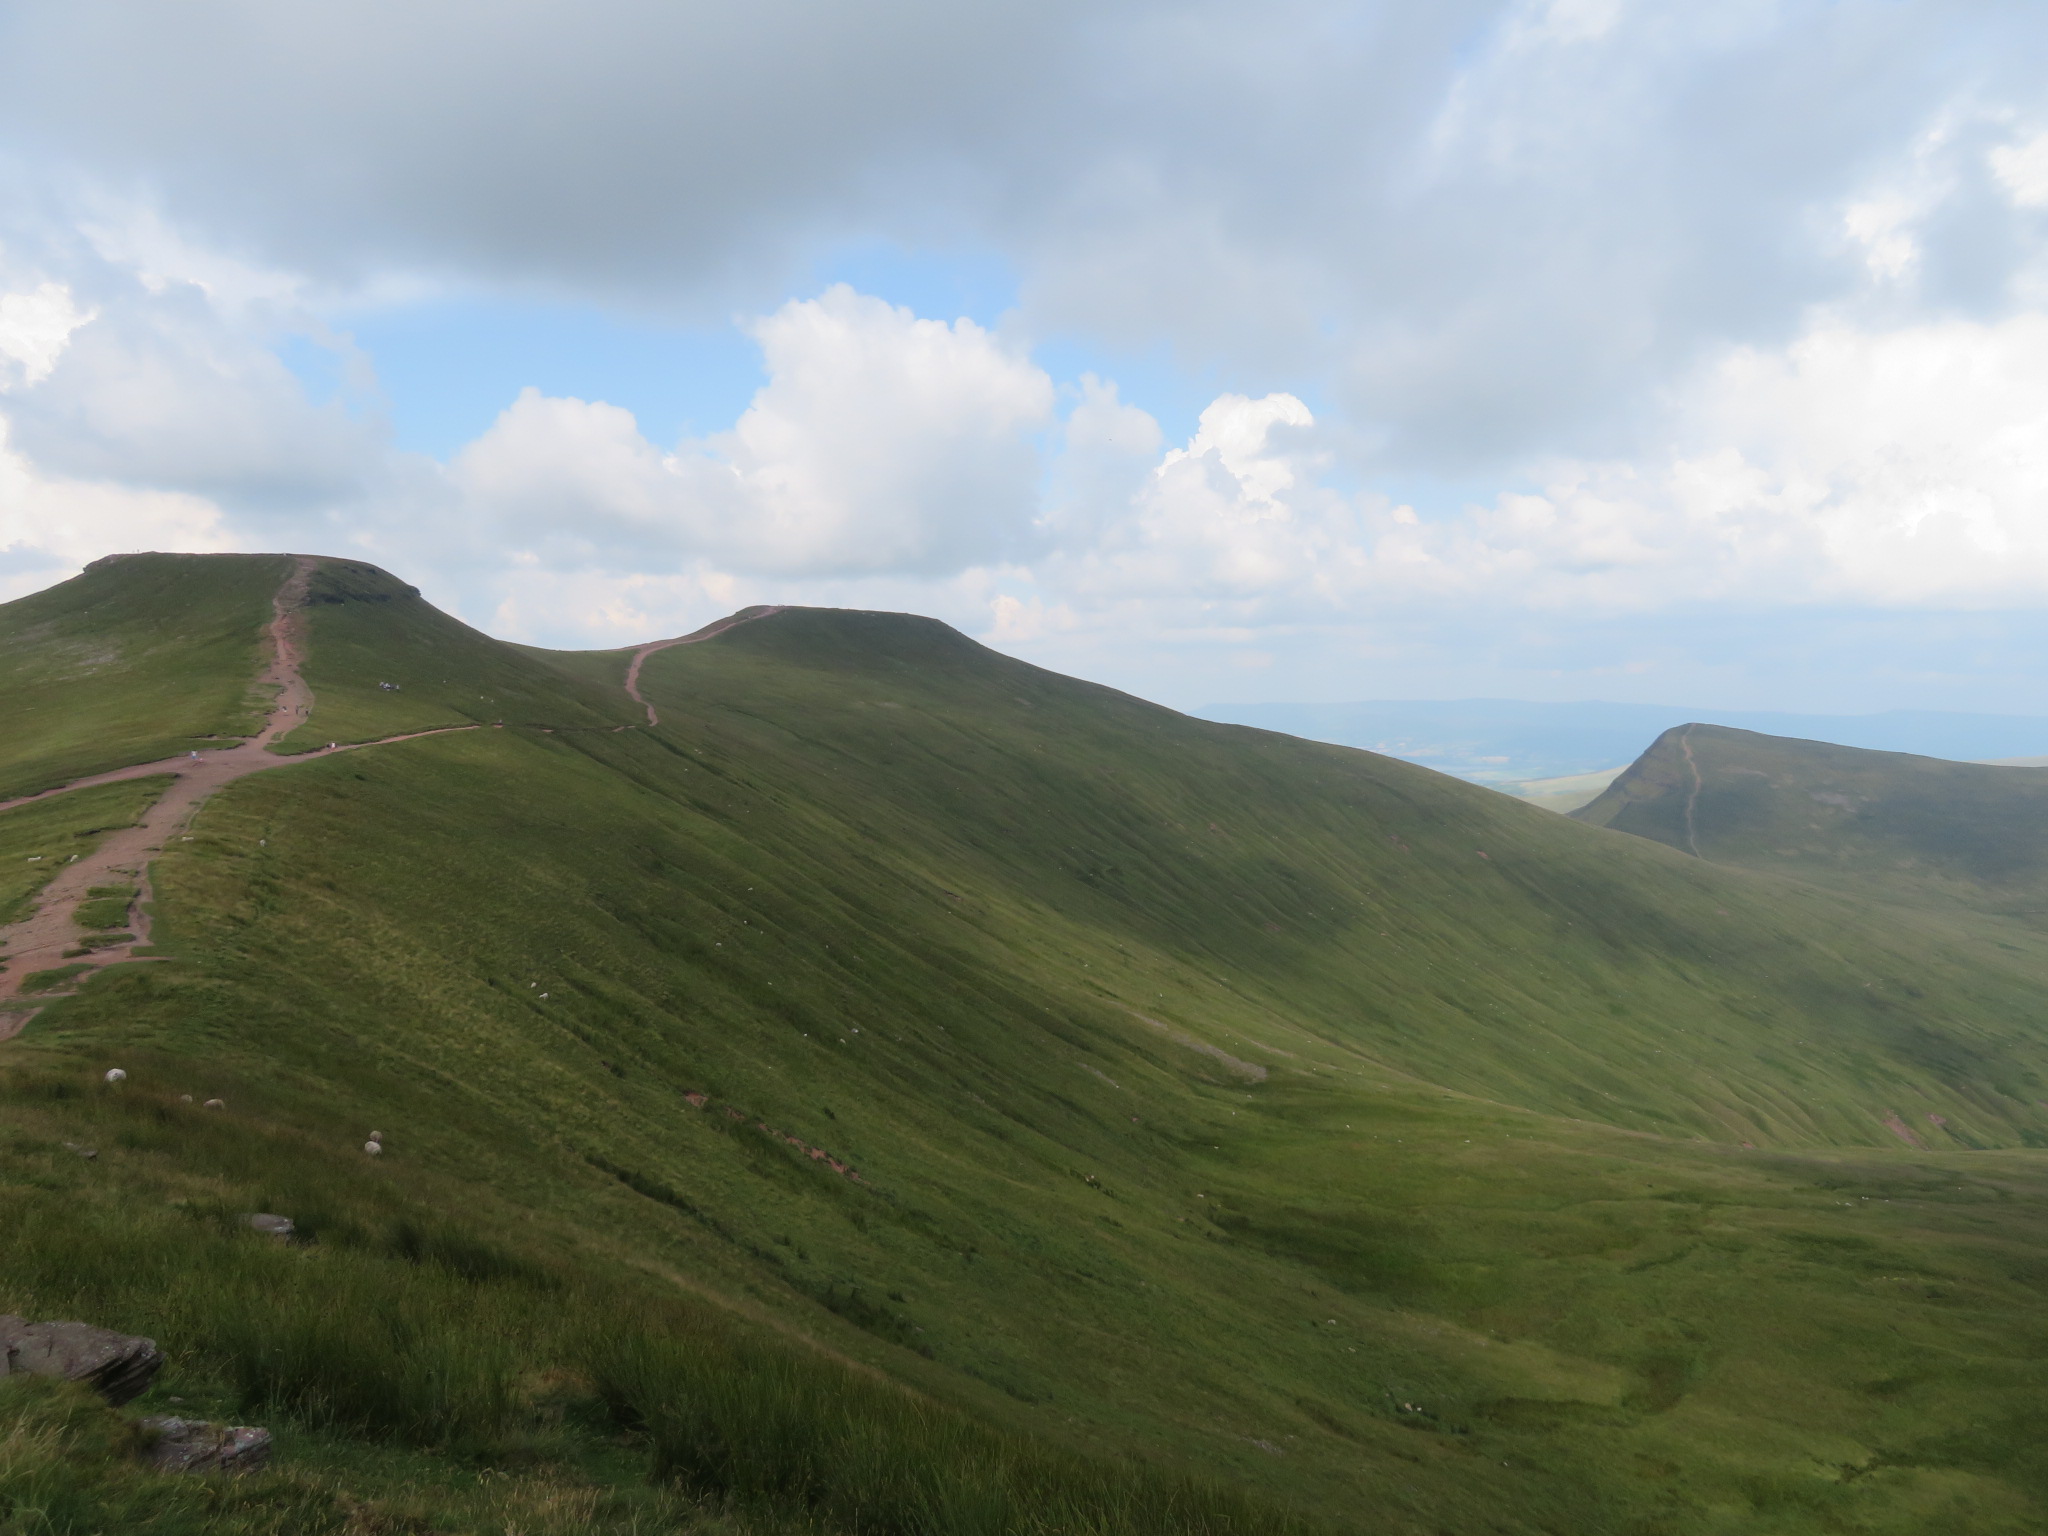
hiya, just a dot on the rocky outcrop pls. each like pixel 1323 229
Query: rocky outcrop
pixel 119 1366
pixel 194 1445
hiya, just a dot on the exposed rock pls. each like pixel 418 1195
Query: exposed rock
pixel 275 1226
pixel 194 1445
pixel 85 1152
pixel 118 1366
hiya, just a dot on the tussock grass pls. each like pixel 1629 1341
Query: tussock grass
pixel 738 1423
pixel 405 1328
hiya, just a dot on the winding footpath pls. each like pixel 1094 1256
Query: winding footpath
pixel 1692 799
pixel 708 632
pixel 50 937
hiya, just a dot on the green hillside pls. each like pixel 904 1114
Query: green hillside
pixel 140 657
pixel 1919 830
pixel 911 1091
pixel 382 661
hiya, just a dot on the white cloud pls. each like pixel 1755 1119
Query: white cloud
pixel 1236 435
pixel 163 390
pixel 35 327
pixel 2022 169
pixel 882 443
pixel 1892 468
pixel 574 482
pixel 50 526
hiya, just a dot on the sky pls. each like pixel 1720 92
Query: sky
pixel 1300 351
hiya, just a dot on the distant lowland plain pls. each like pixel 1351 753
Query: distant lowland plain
pixel 1563 754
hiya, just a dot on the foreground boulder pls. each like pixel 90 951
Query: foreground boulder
pixel 118 1366
pixel 194 1445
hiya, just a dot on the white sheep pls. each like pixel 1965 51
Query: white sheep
pixel 116 1075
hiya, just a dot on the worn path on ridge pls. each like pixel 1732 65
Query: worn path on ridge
pixel 50 937
pixel 708 632
pixel 41 940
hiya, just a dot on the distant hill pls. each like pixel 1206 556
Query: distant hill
pixel 1494 740
pixel 1875 823
pixel 855 1083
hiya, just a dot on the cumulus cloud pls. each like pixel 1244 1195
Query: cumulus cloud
pixel 50 526
pixel 157 393
pixel 130 357
pixel 2022 169
pixel 1897 468
pixel 34 329
pixel 882 443
pixel 51 523
pixel 1236 513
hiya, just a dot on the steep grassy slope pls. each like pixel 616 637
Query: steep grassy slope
pixel 140 657
pixel 1436 928
pixel 1214 1097
pixel 367 629
pixel 1932 833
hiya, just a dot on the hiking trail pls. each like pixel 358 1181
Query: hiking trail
pixel 708 632
pixel 1692 837
pixel 50 937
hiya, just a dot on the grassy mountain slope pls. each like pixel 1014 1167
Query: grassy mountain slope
pixel 140 657
pixel 1253 1107
pixel 366 628
pixel 1258 889
pixel 1937 834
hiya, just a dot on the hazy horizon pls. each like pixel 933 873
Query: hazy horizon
pixel 1507 740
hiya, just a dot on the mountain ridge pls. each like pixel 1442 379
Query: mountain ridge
pixel 1931 833
pixel 1485 1240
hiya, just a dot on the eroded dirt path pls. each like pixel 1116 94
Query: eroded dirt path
pixel 1692 799
pixel 49 937
pixel 709 631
